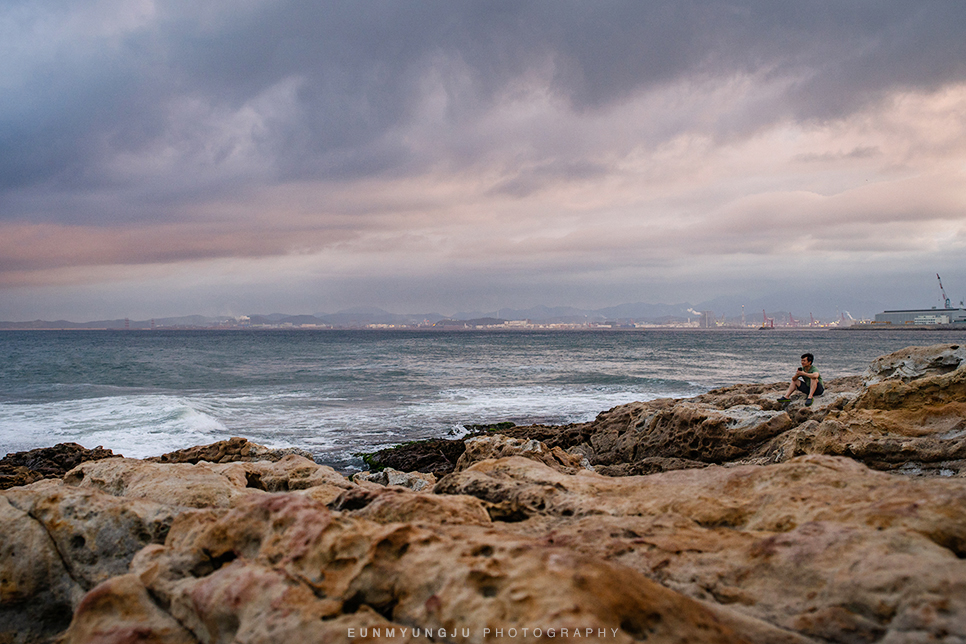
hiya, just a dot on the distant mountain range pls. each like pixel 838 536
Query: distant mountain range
pixel 723 309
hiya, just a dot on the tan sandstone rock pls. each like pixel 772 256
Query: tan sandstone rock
pixel 416 481
pixel 232 450
pixel 480 448
pixel 206 485
pixel 182 484
pixel 96 535
pixel 819 546
pixel 393 506
pixel 37 595
pixel 281 568
pixel 917 426
pixel 120 611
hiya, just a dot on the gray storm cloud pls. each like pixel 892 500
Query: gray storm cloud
pixel 418 138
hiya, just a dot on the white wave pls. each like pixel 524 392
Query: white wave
pixel 150 425
pixel 135 426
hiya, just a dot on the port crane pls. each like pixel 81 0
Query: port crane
pixel 942 292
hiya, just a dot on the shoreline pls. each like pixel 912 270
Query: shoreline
pixel 726 517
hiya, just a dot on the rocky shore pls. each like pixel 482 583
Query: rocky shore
pixel 721 518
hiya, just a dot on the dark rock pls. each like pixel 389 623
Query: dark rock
pixel 17 475
pixel 434 456
pixel 22 468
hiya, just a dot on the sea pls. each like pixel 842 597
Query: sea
pixel 340 394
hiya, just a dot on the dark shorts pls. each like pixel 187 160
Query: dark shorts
pixel 807 384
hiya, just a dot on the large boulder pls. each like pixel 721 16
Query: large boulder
pixel 915 362
pixel 37 594
pixel 95 534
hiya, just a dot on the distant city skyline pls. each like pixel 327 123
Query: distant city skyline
pixel 161 159
pixel 713 313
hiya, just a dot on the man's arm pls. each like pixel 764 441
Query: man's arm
pixel 813 375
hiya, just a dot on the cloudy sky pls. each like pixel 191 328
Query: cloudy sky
pixel 169 157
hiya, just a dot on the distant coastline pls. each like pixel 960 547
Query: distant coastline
pixel 565 328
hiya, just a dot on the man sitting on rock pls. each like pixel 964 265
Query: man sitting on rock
pixel 807 380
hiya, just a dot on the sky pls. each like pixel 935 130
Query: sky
pixel 216 157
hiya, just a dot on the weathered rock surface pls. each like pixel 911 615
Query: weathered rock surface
pixel 918 427
pixel 95 534
pixel 435 456
pixel 203 484
pixel 915 362
pixel 416 481
pixel 280 568
pixel 907 422
pixel 37 595
pixel 726 517
pixel 498 446
pixel 821 546
pixel 231 450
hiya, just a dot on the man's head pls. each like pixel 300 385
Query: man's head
pixel 807 359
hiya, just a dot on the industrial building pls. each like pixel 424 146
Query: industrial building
pixel 920 317
pixel 925 317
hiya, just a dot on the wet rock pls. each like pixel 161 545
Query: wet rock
pixel 22 468
pixel 435 456
pixel 16 475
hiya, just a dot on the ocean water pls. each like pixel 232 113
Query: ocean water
pixel 339 393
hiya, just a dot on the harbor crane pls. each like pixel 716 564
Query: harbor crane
pixel 942 292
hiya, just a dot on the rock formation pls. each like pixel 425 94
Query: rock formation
pixel 721 518
pixel 22 468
